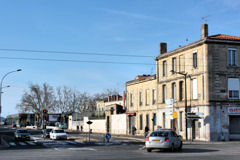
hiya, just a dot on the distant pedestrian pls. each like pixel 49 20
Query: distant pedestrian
pixel 146 131
pixel 81 128
pixel 134 130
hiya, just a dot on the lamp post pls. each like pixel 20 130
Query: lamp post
pixel 1 84
pixel 185 79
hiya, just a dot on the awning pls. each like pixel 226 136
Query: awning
pixel 131 113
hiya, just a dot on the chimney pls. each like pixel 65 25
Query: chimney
pixel 163 48
pixel 204 31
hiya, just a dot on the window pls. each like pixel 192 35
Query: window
pixel 174 65
pixel 147 120
pixel 232 57
pixel 147 97
pixel 140 98
pixel 131 99
pixel 195 60
pixel 180 90
pixel 164 93
pixel 163 120
pixel 141 122
pixel 233 88
pixel 194 89
pixel 164 68
pixel 154 96
pixel 174 91
pixel 181 120
pixel 181 63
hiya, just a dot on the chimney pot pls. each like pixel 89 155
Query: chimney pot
pixel 204 31
pixel 163 48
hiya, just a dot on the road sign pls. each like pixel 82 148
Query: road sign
pixel 191 115
pixel 108 136
pixel 174 114
pixel 89 122
pixel 169 101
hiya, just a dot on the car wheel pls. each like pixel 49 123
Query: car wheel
pixel 180 147
pixel 172 147
pixel 149 149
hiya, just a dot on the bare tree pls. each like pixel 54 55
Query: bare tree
pixel 106 93
pixel 63 99
pixel 36 99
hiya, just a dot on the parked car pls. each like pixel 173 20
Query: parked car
pixel 46 133
pixel 163 139
pixel 22 134
pixel 58 134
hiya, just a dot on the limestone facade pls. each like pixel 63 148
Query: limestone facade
pixel 212 69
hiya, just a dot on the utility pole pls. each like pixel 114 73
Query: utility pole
pixel 186 109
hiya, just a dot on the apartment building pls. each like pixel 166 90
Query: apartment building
pixel 101 105
pixel 142 103
pixel 202 79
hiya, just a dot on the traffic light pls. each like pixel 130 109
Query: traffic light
pixel 45 111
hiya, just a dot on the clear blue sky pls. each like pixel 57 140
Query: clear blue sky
pixel 99 26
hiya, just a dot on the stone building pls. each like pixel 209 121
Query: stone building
pixel 101 105
pixel 142 103
pixel 209 70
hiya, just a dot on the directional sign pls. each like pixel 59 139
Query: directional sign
pixel 174 114
pixel 108 136
pixel 169 101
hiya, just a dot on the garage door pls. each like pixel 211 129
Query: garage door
pixel 234 127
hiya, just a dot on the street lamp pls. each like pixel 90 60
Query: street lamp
pixel 185 78
pixel 1 87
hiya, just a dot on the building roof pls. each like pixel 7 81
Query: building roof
pixel 141 78
pixel 218 37
pixel 224 37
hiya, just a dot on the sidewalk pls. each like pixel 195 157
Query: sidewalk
pixel 137 138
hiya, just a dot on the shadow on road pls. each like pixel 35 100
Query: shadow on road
pixel 189 150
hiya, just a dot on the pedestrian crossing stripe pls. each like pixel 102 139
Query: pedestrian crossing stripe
pixel 72 142
pixel 22 143
pixel 31 143
pixel 12 144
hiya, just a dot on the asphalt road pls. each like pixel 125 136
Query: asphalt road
pixel 73 150
pixel 195 152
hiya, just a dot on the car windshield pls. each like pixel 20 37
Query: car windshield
pixel 159 134
pixel 59 131
pixel 48 130
pixel 22 131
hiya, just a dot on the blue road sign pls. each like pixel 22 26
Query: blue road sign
pixel 108 136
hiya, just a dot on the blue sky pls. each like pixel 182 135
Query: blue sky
pixel 126 27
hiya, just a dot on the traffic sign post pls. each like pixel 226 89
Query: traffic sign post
pixel 89 123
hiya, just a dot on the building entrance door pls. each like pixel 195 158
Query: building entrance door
pixel 131 124
pixel 234 129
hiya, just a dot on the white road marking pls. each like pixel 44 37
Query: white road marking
pixel 72 142
pixel 61 143
pixel 12 144
pixel 31 143
pixel 22 143
pixel 82 149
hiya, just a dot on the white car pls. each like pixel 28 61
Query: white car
pixel 163 139
pixel 58 134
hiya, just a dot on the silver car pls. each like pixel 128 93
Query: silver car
pixel 163 139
